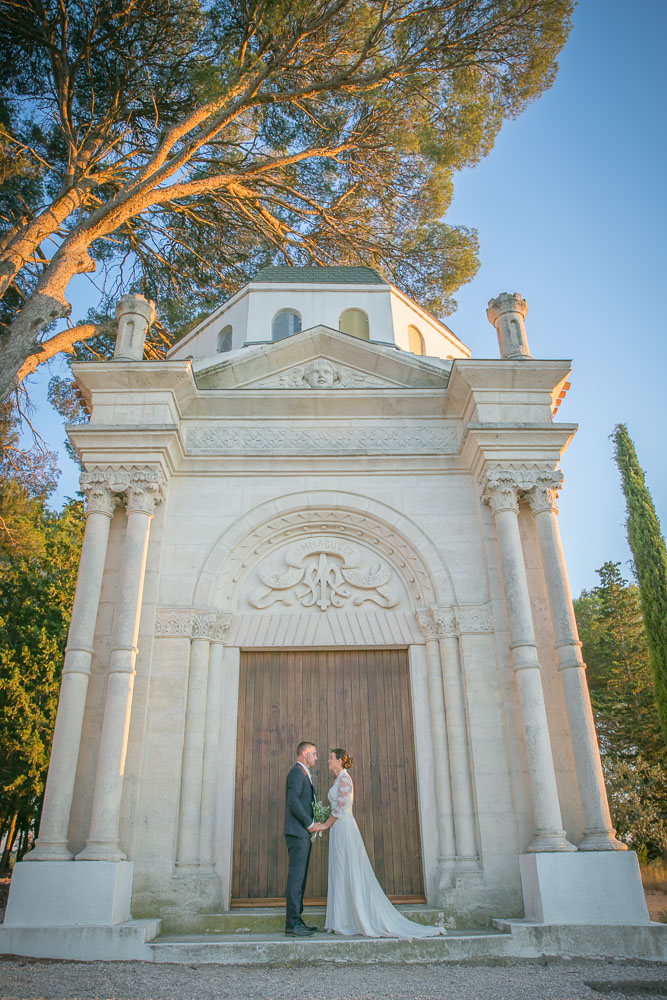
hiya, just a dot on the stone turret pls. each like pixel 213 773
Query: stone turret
pixel 507 313
pixel 134 313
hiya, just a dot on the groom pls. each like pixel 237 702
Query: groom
pixel 299 798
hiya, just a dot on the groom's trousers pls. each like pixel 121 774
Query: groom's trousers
pixel 298 853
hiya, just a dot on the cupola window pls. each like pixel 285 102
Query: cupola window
pixel 285 323
pixel 224 342
pixel 354 322
pixel 415 341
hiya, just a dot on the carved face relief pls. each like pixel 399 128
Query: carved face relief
pixel 321 374
pixel 324 572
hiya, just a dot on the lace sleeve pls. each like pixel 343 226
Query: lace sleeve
pixel 343 792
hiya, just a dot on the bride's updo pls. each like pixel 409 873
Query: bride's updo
pixel 343 756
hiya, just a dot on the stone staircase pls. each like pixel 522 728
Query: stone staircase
pixel 255 936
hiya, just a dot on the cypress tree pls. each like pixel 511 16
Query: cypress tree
pixel 650 559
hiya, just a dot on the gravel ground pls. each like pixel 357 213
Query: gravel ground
pixel 35 979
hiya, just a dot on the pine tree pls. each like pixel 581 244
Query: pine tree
pixel 650 559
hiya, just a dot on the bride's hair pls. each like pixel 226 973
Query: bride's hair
pixel 343 756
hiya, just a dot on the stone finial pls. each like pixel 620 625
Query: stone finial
pixel 134 313
pixel 507 313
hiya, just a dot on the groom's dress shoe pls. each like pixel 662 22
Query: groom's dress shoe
pixel 309 927
pixel 299 930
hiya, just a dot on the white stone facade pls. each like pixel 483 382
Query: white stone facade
pixel 322 491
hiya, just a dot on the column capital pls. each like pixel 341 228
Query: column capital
pixel 100 497
pixel 145 489
pixel 444 619
pixel 426 624
pixel 544 494
pixel 190 623
pixel 500 490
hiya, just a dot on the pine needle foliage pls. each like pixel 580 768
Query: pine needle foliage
pixel 650 562
pixel 176 148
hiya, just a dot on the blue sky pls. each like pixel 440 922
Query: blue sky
pixel 571 212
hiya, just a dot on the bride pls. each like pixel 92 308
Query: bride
pixel 356 903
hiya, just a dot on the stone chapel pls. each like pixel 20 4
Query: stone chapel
pixel 319 518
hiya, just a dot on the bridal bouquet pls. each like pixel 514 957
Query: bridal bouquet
pixel 320 815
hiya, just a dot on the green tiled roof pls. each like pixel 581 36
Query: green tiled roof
pixel 321 275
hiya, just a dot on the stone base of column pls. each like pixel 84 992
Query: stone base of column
pixel 548 841
pixel 603 888
pixel 49 851
pixel 467 863
pixel 601 840
pixel 101 850
pixel 64 893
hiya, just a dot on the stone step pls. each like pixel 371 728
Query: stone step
pixel 271 920
pixel 276 949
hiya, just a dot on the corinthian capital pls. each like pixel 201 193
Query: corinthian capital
pixel 501 490
pixel 100 497
pixel 544 494
pixel 144 490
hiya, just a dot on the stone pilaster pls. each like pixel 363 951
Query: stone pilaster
pixel 212 762
pixel 143 488
pixel 501 490
pixel 599 834
pixel 51 844
pixel 443 786
pixel 203 627
pixel 457 738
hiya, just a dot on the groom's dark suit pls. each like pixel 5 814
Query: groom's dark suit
pixel 299 798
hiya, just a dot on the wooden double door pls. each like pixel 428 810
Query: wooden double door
pixel 355 699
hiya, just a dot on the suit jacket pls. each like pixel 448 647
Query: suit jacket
pixel 299 798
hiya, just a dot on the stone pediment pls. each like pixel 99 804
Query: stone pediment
pixel 320 359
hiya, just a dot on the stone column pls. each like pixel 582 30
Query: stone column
pixel 143 492
pixel 51 845
pixel 212 761
pixel 507 314
pixel 598 829
pixel 443 787
pixel 187 852
pixel 501 493
pixel 457 739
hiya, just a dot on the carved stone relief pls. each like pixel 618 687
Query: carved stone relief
pixel 338 440
pixel 192 624
pixel 344 525
pixel 324 572
pixel 321 374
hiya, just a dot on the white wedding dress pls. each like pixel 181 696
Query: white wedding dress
pixel 356 903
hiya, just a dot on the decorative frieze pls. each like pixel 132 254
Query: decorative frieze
pixel 322 374
pixel 325 572
pixel 459 620
pixel 339 440
pixel 189 623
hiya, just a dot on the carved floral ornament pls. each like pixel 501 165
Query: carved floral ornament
pixel 324 572
pixel 191 624
pixel 442 622
pixel 141 486
pixel 503 487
